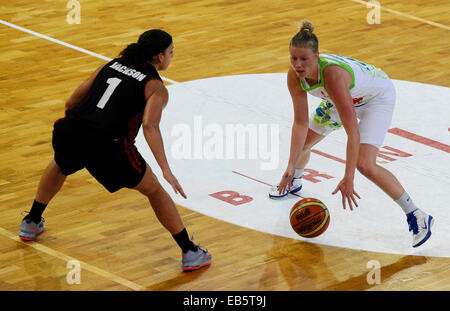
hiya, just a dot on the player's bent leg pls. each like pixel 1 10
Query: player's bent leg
pixel 419 222
pixel 384 179
pixel 193 256
pixel 312 139
pixel 51 182
pixel 161 202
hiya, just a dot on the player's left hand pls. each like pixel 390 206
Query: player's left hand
pixel 170 178
pixel 345 186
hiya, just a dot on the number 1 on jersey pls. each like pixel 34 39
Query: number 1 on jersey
pixel 113 83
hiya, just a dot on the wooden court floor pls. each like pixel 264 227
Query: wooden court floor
pixel 116 237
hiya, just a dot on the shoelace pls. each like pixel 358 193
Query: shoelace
pixel 203 250
pixel 412 222
pixel 24 213
pixel 198 245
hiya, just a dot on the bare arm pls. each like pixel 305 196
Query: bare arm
pixel 301 117
pixel 158 97
pixel 337 82
pixel 299 127
pixel 150 121
pixel 82 90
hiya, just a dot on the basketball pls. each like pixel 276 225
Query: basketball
pixel 309 217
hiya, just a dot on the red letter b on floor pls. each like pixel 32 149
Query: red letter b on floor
pixel 231 197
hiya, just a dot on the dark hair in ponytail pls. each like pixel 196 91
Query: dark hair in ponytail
pixel 150 43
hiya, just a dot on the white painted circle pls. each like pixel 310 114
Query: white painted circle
pixel 378 224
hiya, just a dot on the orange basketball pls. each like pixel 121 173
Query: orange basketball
pixel 309 217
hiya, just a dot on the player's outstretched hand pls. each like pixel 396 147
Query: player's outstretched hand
pixel 174 183
pixel 348 192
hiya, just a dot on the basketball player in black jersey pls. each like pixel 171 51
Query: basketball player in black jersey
pixel 102 119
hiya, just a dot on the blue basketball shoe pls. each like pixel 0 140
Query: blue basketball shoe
pixel 420 224
pixel 296 186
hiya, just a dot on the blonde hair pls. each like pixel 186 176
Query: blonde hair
pixel 305 36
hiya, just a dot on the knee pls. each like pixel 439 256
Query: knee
pixel 366 168
pixel 151 190
pixel 150 186
pixel 306 148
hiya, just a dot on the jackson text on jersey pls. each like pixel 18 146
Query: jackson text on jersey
pixel 128 71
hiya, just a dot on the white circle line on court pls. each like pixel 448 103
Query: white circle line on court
pixel 411 151
pixel 187 86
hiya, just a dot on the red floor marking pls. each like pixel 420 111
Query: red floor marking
pixel 420 139
pixel 329 156
pixel 253 179
pixel 262 182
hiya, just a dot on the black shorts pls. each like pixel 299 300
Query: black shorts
pixel 115 163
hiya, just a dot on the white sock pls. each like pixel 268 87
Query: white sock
pixel 406 203
pixel 298 172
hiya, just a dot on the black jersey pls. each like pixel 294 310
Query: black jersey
pixel 115 103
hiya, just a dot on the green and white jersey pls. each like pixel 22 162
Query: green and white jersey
pixel 367 81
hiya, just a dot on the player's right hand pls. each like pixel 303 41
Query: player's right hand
pixel 286 180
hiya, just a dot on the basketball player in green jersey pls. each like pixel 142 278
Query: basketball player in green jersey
pixel 350 90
